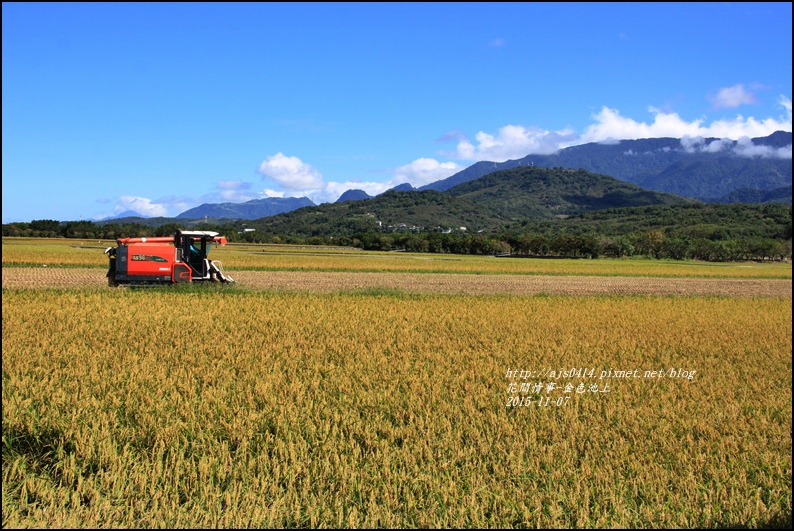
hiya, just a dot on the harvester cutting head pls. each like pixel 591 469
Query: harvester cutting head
pixel 165 259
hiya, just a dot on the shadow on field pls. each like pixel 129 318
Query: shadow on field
pixel 40 448
pixel 44 453
pixel 779 521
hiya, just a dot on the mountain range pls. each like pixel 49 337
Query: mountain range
pixel 479 205
pixel 701 169
pixel 254 209
pixel 710 170
pixel 123 215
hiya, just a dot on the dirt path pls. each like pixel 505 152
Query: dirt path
pixel 321 282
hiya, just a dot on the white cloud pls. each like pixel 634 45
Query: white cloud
pixel 334 190
pixel 417 173
pixel 455 134
pixel 732 97
pixel 230 196
pixel 786 104
pixel 176 204
pixel 610 124
pixel 236 192
pixel 141 205
pixel 229 192
pixel 517 141
pixel 698 144
pixel 168 206
pixel 297 179
pixel 740 126
pixel 514 142
pixel 743 147
pixel 423 171
pixel 291 172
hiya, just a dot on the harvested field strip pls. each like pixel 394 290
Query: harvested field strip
pixel 513 284
pixel 322 282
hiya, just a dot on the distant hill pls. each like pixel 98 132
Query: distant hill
pixel 125 214
pixel 533 192
pixel 400 210
pixel 358 195
pixel 254 209
pixel 483 204
pixel 659 164
pixel 353 195
pixel 778 139
pixel 751 195
pixel 696 220
pixel 160 221
pixel 404 187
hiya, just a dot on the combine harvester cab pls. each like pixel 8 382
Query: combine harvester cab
pixel 165 259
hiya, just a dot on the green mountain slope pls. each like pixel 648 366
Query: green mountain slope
pixel 711 221
pixel 751 195
pixel 663 164
pixel 533 192
pixel 484 204
pixel 400 210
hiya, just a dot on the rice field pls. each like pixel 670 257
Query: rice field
pixel 20 252
pixel 441 283
pixel 261 406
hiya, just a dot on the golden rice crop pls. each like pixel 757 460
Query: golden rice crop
pixel 439 283
pixel 125 408
pixel 54 252
pixel 439 263
pixel 236 257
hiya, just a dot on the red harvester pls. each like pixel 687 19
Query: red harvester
pixel 165 260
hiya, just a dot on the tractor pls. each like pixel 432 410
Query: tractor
pixel 173 259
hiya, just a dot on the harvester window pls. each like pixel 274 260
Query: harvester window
pixel 196 256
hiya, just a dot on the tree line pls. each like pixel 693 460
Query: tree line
pixel 650 244
pixel 522 239
pixel 49 228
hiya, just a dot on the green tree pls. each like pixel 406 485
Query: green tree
pixel 45 225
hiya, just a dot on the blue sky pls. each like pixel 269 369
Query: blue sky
pixel 160 107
